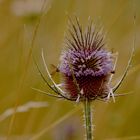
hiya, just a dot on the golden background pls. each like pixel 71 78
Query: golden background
pixel 20 20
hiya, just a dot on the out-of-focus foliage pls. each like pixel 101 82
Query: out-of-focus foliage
pixel 62 120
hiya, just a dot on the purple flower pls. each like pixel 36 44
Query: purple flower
pixel 87 68
pixel 85 63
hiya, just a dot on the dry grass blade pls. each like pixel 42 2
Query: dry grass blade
pixel 22 108
pixel 24 74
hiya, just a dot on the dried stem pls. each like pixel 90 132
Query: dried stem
pixel 88 119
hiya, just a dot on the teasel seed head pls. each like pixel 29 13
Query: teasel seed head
pixel 85 63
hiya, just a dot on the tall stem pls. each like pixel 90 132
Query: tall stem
pixel 88 119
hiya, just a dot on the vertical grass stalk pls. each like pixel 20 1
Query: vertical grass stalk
pixel 88 119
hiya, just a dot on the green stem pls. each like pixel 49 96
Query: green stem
pixel 88 119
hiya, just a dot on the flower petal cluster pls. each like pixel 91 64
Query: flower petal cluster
pixel 85 63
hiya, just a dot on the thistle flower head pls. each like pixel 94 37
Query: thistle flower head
pixel 87 68
pixel 85 63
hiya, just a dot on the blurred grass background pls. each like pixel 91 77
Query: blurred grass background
pixel 62 120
